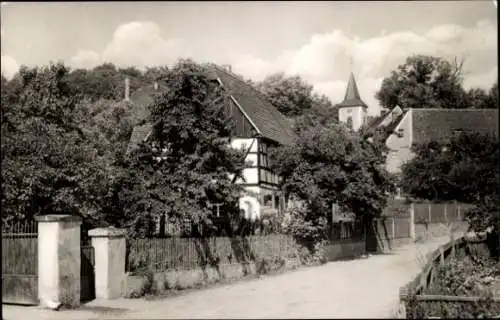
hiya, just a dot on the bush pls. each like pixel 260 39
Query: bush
pixel 149 286
pixel 470 275
pixel 308 230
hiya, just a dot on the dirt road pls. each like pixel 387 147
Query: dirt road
pixel 362 288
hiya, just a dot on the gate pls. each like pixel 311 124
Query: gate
pixel 87 275
pixel 20 264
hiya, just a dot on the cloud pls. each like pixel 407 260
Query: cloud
pixel 138 43
pixel 325 60
pixel 85 59
pixel 9 66
pixel 141 44
pixel 482 80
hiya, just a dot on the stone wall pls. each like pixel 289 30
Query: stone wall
pixel 163 281
pixel 345 250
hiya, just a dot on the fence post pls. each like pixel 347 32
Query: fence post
pixel 412 221
pixel 59 260
pixel 109 249
pixel 445 213
pixel 441 255
pixel 430 214
pixel 393 229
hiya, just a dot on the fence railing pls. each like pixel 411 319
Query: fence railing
pixel 189 253
pixel 440 212
pixel 346 230
pixel 393 227
pixel 412 294
pixel 20 229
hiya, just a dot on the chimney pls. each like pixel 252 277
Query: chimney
pixel 156 85
pixel 127 89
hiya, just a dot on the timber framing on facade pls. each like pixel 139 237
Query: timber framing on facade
pixel 258 125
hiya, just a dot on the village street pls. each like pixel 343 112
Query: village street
pixel 362 288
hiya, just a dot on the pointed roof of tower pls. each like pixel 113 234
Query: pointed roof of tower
pixel 352 98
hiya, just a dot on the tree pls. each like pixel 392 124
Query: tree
pixel 290 95
pixel 327 166
pixel 294 98
pixel 50 165
pixel 493 95
pixel 465 168
pixel 188 162
pixel 478 98
pixel 322 113
pixel 154 73
pixel 104 82
pixel 424 82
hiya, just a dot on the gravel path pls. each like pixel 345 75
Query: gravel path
pixel 363 288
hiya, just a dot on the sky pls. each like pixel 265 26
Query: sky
pixel 316 40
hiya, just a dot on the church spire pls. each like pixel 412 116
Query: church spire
pixel 352 98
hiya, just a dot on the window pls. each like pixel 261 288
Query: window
pixel 349 122
pixel 263 147
pixel 263 160
pixel 268 200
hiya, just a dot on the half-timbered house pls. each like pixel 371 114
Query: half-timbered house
pixel 258 125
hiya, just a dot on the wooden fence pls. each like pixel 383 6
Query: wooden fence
pixel 189 253
pixel 412 295
pixel 346 230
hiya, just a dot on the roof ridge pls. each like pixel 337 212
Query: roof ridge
pixel 260 94
pixel 235 76
pixel 453 109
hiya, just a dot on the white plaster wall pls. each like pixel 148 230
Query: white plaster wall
pixel 48 262
pixel 356 113
pixel 400 151
pixel 251 175
pixel 344 113
pixel 252 158
pixel 253 189
pixel 59 263
pixel 245 143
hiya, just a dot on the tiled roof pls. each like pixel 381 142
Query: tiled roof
pixel 268 120
pixel 376 123
pixel 138 135
pixel 143 96
pixel 438 124
pixel 352 98
pixel 395 123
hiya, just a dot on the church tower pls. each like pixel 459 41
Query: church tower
pixel 353 110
